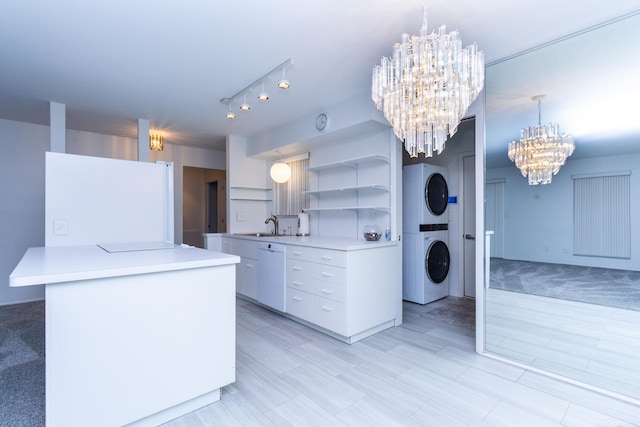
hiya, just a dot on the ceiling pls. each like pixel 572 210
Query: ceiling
pixel 112 62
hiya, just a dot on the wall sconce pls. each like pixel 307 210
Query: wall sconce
pixel 280 172
pixel 258 84
pixel 156 140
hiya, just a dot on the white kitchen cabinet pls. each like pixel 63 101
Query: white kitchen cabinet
pixel 247 269
pixel 350 294
pixel 249 277
pixel 299 279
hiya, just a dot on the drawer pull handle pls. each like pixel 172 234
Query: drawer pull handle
pixel 295 282
pixel 250 265
pixel 326 308
pixel 327 274
pixel 326 258
pixel 297 298
pixel 327 291
pixel 297 253
pixel 296 268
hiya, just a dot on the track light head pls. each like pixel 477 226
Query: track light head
pixel 263 96
pixel 284 83
pixel 244 106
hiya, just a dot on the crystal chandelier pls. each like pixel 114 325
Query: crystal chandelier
pixel 541 150
pixel 426 87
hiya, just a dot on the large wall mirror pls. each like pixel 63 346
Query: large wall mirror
pixel 563 293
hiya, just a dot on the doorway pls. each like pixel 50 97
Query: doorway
pixel 204 204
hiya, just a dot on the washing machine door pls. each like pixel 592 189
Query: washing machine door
pixel 436 194
pixel 436 262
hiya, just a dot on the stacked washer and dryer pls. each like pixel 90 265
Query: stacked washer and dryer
pixel 425 240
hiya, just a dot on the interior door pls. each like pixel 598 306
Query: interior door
pixel 212 211
pixel 469 228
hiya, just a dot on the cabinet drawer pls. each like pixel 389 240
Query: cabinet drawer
pixel 330 315
pixel 299 275
pixel 330 257
pixel 300 252
pixel 329 273
pixel 300 304
pixel 333 291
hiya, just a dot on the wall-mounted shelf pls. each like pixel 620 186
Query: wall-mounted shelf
pixel 256 194
pixel 251 188
pixel 353 188
pixel 352 163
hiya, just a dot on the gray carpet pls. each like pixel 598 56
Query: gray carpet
pixel 601 286
pixel 22 376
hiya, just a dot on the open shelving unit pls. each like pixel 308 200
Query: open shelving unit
pixel 357 189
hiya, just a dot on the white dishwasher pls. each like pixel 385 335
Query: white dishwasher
pixel 271 275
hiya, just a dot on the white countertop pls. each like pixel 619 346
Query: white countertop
pixel 320 241
pixel 57 264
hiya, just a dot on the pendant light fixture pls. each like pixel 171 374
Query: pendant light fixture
pixel 426 87
pixel 541 150
pixel 280 172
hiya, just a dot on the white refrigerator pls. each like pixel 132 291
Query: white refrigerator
pixel 95 200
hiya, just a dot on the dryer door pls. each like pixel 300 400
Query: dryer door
pixel 436 194
pixel 436 262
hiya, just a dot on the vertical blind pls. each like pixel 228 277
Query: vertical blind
pixel 288 197
pixel 602 215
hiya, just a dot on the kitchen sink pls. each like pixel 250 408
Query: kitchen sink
pixel 258 234
pixel 266 235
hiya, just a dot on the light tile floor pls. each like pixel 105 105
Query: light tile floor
pixel 594 344
pixel 423 373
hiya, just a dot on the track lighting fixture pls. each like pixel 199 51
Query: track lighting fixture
pixel 258 84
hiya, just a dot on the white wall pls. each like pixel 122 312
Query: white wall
pixel 244 215
pixel 22 171
pixel 22 148
pixel 539 219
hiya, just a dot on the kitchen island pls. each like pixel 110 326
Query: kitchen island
pixel 133 335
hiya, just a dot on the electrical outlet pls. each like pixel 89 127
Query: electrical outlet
pixel 60 227
pixel 240 216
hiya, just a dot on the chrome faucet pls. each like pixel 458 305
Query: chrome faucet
pixel 275 223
